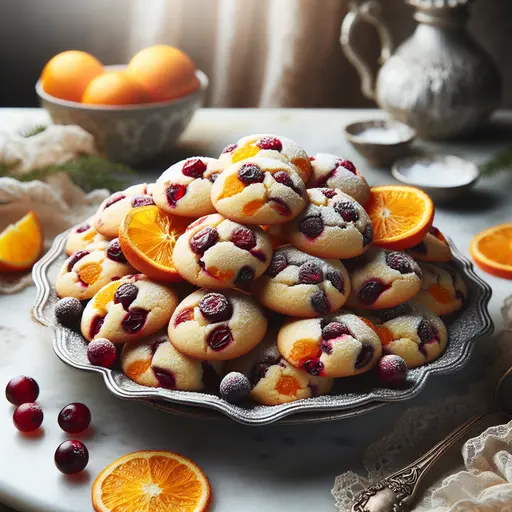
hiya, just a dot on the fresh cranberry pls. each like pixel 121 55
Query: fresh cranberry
pixel 312 226
pixel 134 320
pixel 271 143
pixel 21 389
pixel 336 280
pixel 365 356
pixel 142 200
pixel 420 248
pixel 184 316
pixel 71 457
pixel 370 292
pixel 234 387
pixel 194 168
pixel 74 418
pixel 278 263
pixel 399 261
pixel 75 258
pixel 114 198
pixel 204 239
pixel 28 417
pixel 96 324
pixel 348 165
pixel 165 379
pixel 283 178
pixel 245 275
pixel 219 338
pixel 68 312
pixel 101 352
pixel 174 193
pixel 367 235
pixel 125 295
pixel 250 173
pixel 215 307
pixel 82 228
pixel 313 367
pixel 310 273
pixel 346 210
pixel 229 148
pixel 329 192
pixel 244 238
pixel 280 206
pixel 114 251
pixel 334 330
pixel 326 347
pixel 392 370
pixel 320 302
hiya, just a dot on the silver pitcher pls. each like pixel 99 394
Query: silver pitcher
pixel 439 81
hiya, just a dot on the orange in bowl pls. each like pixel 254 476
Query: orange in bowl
pixel 491 250
pixel 164 72
pixel 114 88
pixel 67 75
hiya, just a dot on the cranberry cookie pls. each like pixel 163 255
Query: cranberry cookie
pixel 128 309
pixel 83 235
pixel 259 191
pixel 217 325
pixel 85 272
pixel 337 345
pixel 112 211
pixel 443 290
pixel 433 248
pixel 154 362
pixel 331 171
pixel 333 225
pixel 185 188
pixel 382 279
pixel 268 146
pixel 298 284
pixel 215 252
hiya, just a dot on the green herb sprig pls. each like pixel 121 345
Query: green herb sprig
pixel 501 161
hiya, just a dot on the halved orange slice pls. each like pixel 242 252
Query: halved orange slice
pixel 147 236
pixel 21 244
pixel 401 216
pixel 491 250
pixel 151 481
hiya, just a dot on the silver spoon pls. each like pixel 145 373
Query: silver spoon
pixel 396 492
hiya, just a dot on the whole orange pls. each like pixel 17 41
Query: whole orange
pixel 164 72
pixel 113 88
pixel 67 74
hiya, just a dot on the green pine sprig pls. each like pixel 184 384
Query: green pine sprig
pixel 30 131
pixel 501 161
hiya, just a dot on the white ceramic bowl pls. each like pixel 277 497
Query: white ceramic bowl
pixel 130 134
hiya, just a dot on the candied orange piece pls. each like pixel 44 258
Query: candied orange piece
pixel 105 295
pixel 137 368
pixel 87 237
pixel 385 335
pixel 368 323
pixel 90 273
pixel 287 385
pixel 252 207
pixel 232 186
pixel 439 293
pixel 304 166
pixel 244 152
pixel 305 349
pixel 218 274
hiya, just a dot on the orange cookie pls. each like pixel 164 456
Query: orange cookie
pixel 83 235
pixel 433 248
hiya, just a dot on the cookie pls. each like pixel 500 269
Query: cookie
pixel 382 279
pixel 418 336
pixel 331 171
pixel 277 233
pixel 217 325
pixel 433 248
pixel 275 381
pixel 154 362
pixel 259 191
pixel 215 252
pixel 298 284
pixel 443 290
pixel 333 225
pixel 128 309
pixel 185 188
pixel 268 146
pixel 338 345
pixel 112 211
pixel 83 235
pixel 85 272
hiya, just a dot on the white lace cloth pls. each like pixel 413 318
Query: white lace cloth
pixel 483 480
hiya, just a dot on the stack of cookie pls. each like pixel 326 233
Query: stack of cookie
pixel 277 244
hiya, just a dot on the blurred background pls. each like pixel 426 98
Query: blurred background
pixel 287 51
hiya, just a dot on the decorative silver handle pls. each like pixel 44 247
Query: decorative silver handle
pixel 396 492
pixel 369 11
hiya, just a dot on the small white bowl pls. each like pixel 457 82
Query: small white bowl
pixel 442 177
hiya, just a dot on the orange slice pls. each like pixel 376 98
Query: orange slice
pixel 401 216
pixel 151 481
pixel 491 250
pixel 147 236
pixel 21 244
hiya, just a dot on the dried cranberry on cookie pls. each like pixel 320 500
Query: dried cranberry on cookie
pixel 434 248
pixel 83 235
pixel 333 225
pixel 185 188
pixel 215 252
pixel 268 146
pixel 259 191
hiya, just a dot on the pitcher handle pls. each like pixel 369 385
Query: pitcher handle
pixel 369 11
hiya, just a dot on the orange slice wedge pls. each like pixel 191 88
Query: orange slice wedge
pixel 151 481
pixel 147 236
pixel 21 244
pixel 401 216
pixel 491 250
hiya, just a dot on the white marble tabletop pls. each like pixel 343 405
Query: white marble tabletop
pixel 271 468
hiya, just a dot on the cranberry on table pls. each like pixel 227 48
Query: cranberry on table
pixel 101 352
pixel 28 417
pixel 74 418
pixel 71 457
pixel 392 370
pixel 21 389
pixel 68 312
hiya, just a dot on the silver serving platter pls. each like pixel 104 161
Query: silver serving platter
pixel 350 397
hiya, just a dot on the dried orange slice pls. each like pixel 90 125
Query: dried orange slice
pixel 401 216
pixel 147 236
pixel 491 250
pixel 21 244
pixel 151 481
